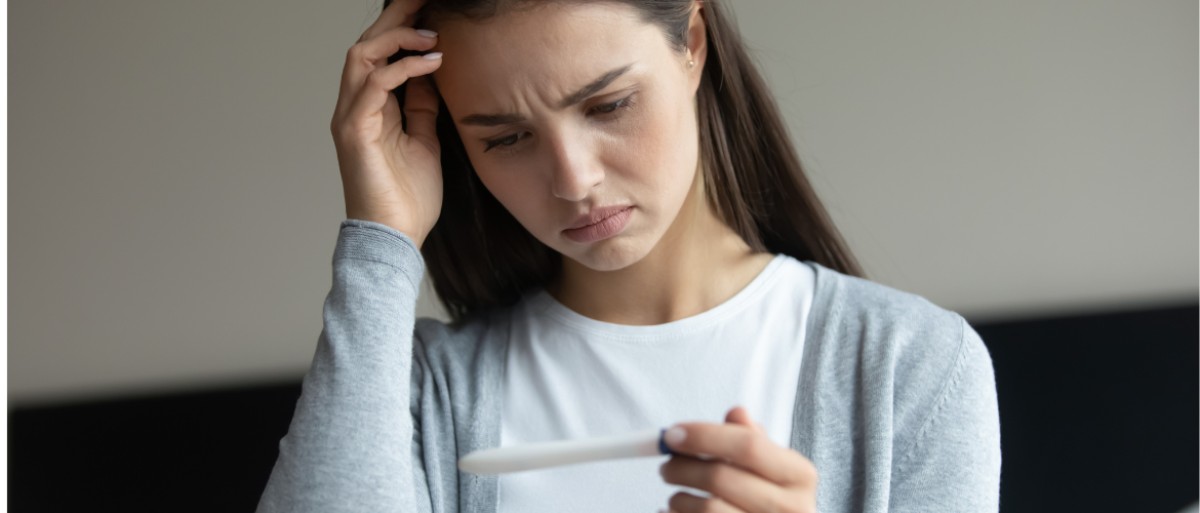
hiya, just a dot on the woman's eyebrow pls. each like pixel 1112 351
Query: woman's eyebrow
pixel 590 89
pixel 571 99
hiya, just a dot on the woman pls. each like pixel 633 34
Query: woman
pixel 608 205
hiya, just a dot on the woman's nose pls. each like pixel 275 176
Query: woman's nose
pixel 576 170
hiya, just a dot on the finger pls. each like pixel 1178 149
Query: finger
pixel 684 502
pixel 378 86
pixel 420 112
pixel 367 56
pixel 746 491
pixel 383 46
pixel 397 13
pixel 747 448
pixel 739 415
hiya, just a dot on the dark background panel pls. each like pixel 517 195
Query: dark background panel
pixel 207 451
pixel 1098 413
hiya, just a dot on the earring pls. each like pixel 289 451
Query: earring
pixel 691 63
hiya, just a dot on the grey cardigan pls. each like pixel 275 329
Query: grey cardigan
pixel 896 404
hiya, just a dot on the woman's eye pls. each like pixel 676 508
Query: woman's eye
pixel 612 107
pixel 602 110
pixel 503 141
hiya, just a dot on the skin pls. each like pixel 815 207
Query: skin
pixel 567 160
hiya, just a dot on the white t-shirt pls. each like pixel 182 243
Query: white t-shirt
pixel 569 376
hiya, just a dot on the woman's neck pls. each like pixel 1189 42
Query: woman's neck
pixel 698 264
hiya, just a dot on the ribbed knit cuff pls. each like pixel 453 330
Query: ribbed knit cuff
pixel 378 242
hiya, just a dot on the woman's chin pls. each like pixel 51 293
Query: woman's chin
pixel 609 255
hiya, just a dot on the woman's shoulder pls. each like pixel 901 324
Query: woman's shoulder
pixel 902 349
pixel 851 302
pixel 855 298
pixel 888 326
pixel 469 332
pixel 463 362
pixel 904 373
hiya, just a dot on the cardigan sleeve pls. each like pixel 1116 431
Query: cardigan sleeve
pixel 953 462
pixel 351 444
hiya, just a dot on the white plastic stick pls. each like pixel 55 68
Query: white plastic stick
pixel 565 452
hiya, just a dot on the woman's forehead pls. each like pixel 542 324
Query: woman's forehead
pixel 566 29
pixel 552 51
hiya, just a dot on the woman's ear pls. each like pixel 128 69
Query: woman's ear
pixel 697 44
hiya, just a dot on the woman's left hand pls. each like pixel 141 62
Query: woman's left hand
pixel 743 470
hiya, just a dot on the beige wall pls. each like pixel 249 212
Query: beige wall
pixel 174 196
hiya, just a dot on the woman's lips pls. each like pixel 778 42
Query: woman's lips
pixel 610 222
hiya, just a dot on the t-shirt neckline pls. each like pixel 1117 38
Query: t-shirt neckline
pixel 542 303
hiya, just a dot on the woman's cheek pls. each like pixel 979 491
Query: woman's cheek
pixel 657 149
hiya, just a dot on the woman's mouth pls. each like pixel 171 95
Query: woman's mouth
pixel 599 224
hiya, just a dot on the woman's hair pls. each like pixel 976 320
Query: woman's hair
pixel 479 256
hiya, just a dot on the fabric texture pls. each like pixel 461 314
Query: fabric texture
pixel 895 404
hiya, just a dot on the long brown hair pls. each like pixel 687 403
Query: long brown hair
pixel 480 257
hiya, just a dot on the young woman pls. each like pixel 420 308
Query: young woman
pixel 607 202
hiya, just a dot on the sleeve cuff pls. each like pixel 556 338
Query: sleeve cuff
pixel 368 240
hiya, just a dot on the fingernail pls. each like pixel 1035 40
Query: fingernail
pixel 432 56
pixel 675 436
pixel 427 33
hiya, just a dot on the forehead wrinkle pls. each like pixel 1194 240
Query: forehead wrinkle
pixel 499 47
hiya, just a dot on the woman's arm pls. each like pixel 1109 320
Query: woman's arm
pixel 952 463
pixel 350 443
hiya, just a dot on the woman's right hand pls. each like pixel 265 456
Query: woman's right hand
pixel 389 176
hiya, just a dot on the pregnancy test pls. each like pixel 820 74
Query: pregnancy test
pixel 565 452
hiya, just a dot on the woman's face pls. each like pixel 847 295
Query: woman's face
pixel 580 119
